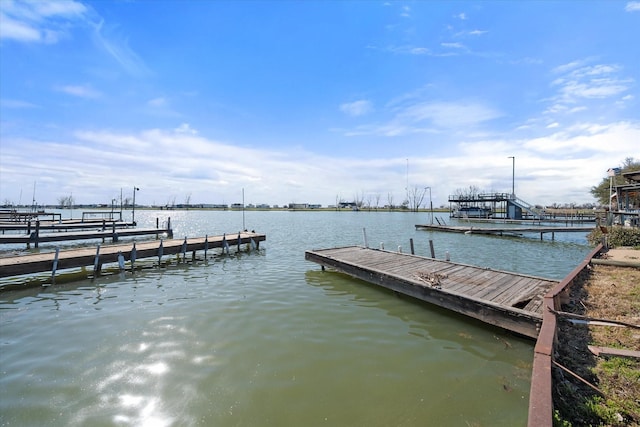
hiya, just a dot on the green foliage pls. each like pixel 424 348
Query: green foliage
pixel 558 421
pixel 617 236
pixel 608 411
pixel 601 191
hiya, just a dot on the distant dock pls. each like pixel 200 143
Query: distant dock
pixel 507 300
pixel 29 233
pixel 120 254
pixel 504 231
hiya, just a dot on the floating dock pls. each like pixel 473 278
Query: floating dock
pixel 114 235
pixel 507 300
pixel 97 256
pixel 81 230
pixel 504 231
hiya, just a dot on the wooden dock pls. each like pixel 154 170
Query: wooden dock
pixel 504 231
pixel 114 234
pixel 95 257
pixel 507 300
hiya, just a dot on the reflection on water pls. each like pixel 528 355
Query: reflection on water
pixel 267 338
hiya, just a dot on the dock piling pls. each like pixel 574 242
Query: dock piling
pixel 364 235
pixel 225 244
pixel 133 255
pixel 96 262
pixel 121 261
pixel 55 267
pixel 433 252
pixel 160 251
pixel 37 233
pixel 413 252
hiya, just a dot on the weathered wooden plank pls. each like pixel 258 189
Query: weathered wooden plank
pixel 379 269
pixel 608 351
pixel 38 263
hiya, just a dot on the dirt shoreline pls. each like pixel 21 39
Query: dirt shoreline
pixel 603 292
pixel 622 254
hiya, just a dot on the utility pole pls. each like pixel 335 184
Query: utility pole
pixel 513 176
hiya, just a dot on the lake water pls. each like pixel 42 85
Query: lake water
pixel 268 339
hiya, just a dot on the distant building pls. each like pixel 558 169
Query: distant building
pixel 627 199
pixel 298 206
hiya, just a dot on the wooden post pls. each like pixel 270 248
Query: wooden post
pixel 239 240
pixel 160 251
pixel 37 235
pixel 206 245
pixel 55 267
pixel 120 261
pixel 433 252
pixel 411 245
pixel 133 255
pixel 96 262
pixel 364 234
pixel 225 244
pixel 184 250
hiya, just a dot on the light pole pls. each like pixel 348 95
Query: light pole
pixel 133 210
pixel 430 203
pixel 513 176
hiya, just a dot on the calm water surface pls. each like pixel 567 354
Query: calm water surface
pixel 268 339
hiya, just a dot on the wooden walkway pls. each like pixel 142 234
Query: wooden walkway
pixel 55 261
pixel 507 300
pixel 64 225
pixel 504 231
pixel 61 236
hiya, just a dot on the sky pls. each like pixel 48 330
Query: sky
pixel 314 101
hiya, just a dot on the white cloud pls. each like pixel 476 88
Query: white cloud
pixel 186 128
pixel 38 21
pixel 81 91
pixel 118 48
pixel 357 108
pixel 557 167
pixel 157 102
pixel 453 45
pixel 633 6
pixel 448 114
pixel 16 103
pixel 578 83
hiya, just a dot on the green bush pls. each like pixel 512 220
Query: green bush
pixel 616 236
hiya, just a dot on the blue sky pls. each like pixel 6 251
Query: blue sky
pixel 314 101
